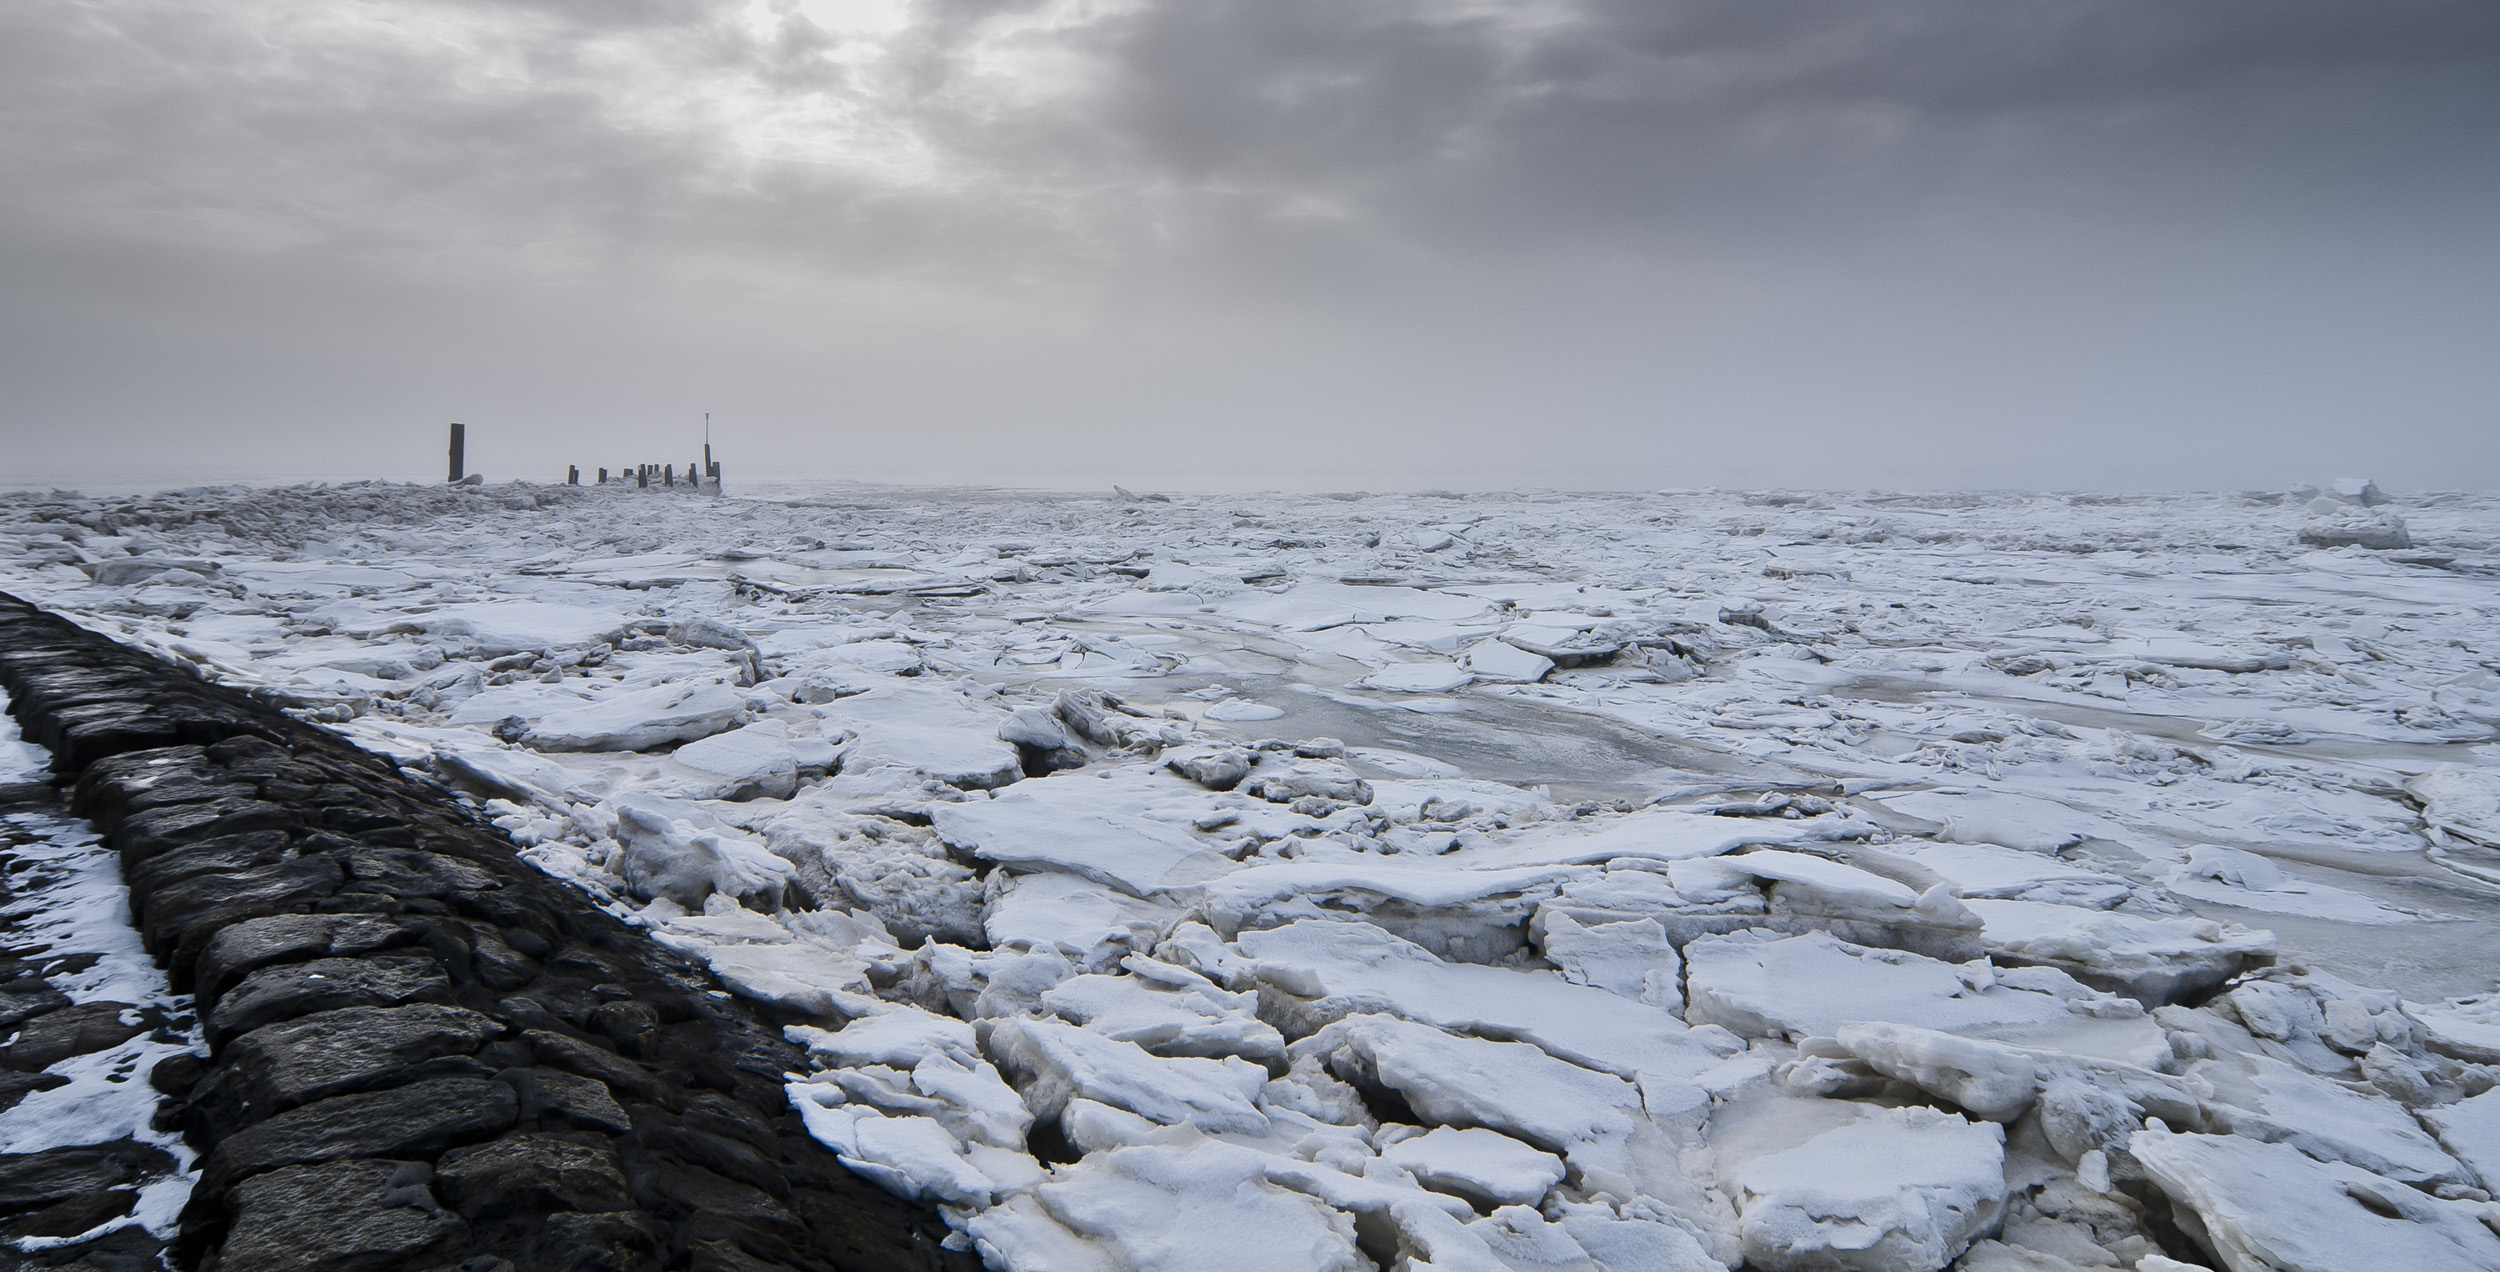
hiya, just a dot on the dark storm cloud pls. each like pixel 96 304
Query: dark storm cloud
pixel 1649 118
pixel 477 124
pixel 1355 214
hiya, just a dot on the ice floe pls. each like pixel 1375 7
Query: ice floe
pixel 1645 882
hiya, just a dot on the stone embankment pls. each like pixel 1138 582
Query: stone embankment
pixel 424 1054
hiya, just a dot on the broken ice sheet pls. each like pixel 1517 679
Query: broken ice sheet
pixel 1314 972
pixel 1482 1165
pixel 2047 705
pixel 2267 1206
pixel 1130 853
pixel 1764 986
pixel 1898 1190
pixel 2229 876
pixel 2153 959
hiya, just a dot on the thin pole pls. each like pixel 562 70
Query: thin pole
pixel 459 447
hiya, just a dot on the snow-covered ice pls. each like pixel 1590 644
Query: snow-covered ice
pixel 1611 882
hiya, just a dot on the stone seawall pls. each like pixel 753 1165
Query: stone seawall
pixel 425 1054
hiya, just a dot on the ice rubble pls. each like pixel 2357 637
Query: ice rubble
pixel 2261 1206
pixel 1897 1189
pixel 1841 883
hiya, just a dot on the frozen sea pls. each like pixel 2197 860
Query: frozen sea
pixel 1528 880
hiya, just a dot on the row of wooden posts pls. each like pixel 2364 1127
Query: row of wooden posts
pixel 641 476
pixel 645 476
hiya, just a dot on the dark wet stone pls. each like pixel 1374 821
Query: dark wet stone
pixel 239 949
pixel 704 1193
pixel 145 834
pixel 497 965
pixel 17 1086
pixel 417 1120
pixel 176 1075
pixel 289 990
pixel 27 794
pixel 620 1241
pixel 54 1036
pixel 362 822
pixel 576 1056
pixel 373 1216
pixel 224 854
pixel 718 1115
pixel 98 789
pixel 171 909
pixel 125 1249
pixel 75 1215
pixel 28 996
pixel 81 735
pixel 730 1156
pixel 567 1098
pixel 728 1255
pixel 277 1067
pixel 171 786
pixel 29 1181
pixel 255 755
pixel 410 872
pixel 633 1027
pixel 66 964
pixel 533 1173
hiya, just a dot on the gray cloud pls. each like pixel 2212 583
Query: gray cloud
pixel 1263 241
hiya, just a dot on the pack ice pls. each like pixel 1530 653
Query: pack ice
pixel 1606 883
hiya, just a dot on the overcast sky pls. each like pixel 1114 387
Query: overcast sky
pixel 1257 243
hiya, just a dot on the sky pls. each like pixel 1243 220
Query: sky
pixel 1252 244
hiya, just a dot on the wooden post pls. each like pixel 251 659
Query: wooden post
pixel 459 455
pixel 603 476
pixel 572 475
pixel 642 476
pixel 668 476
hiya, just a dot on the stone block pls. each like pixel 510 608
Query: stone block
pixel 54 1036
pixel 289 990
pixel 374 1216
pixel 277 1067
pixel 533 1173
pixel 417 1120
pixel 242 948
pixel 569 1099
pixel 32 1180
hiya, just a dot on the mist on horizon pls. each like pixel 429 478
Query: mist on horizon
pixel 1405 244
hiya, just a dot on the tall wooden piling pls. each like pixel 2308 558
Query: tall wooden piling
pixel 459 452
pixel 572 475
